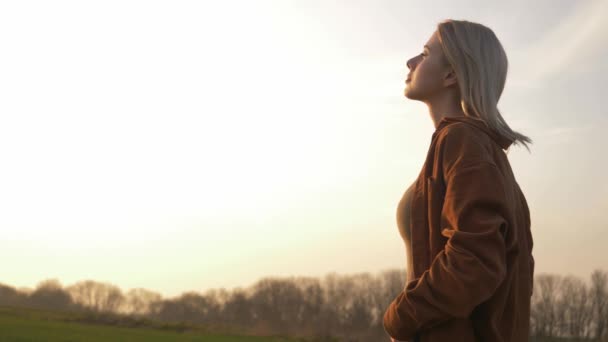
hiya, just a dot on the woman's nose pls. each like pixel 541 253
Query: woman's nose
pixel 410 63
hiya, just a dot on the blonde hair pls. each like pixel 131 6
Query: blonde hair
pixel 480 64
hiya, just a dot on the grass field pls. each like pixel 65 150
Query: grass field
pixel 37 325
pixel 33 325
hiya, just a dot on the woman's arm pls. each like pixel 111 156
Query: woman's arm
pixel 473 262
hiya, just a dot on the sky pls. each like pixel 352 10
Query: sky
pixel 186 146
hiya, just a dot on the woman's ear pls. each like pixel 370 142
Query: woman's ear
pixel 450 78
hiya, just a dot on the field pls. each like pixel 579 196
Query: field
pixel 19 324
pixel 33 325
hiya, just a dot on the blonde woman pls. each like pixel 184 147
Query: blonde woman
pixel 464 220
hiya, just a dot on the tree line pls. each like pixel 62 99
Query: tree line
pixel 348 307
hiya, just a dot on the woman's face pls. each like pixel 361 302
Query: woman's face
pixel 428 72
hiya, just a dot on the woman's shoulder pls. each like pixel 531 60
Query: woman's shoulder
pixel 460 144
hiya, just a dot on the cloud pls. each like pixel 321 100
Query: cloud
pixel 564 134
pixel 571 47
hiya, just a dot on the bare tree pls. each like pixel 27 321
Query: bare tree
pixel 544 314
pixel 139 301
pixel 599 299
pixel 574 308
pixel 100 297
pixel 359 313
pixel 11 296
pixel 50 294
pixel 337 298
pixel 279 302
pixel 188 307
pixel 237 309
pixel 311 315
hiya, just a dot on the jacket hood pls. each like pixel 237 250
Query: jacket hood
pixel 502 141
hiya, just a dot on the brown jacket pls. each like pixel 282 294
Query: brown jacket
pixel 471 243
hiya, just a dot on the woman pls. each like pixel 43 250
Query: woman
pixel 465 220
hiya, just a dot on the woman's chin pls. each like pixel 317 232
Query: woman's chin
pixel 406 91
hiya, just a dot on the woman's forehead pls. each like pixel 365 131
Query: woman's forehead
pixel 430 44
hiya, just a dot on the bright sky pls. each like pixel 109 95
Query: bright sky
pixel 186 146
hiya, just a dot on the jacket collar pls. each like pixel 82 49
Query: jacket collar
pixel 502 141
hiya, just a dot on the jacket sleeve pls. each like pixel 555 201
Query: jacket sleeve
pixel 530 242
pixel 473 262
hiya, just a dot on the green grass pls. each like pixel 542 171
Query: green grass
pixel 33 325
